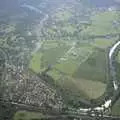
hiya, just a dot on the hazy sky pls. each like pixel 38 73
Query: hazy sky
pixel 117 0
pixel 104 2
pixel 99 3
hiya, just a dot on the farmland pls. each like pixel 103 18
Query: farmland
pixel 70 65
pixel 75 61
pixel 58 55
pixel 103 23
pixel 24 115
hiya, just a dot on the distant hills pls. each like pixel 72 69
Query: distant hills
pixel 8 4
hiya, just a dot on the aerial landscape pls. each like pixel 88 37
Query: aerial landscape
pixel 59 59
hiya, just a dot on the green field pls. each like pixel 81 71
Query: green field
pixel 24 115
pixel 52 55
pixel 97 89
pixel 47 56
pixel 93 68
pixel 35 63
pixel 103 43
pixel 74 62
pixel 72 65
pixel 102 24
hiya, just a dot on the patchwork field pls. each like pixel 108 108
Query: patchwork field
pixel 77 67
pixel 70 65
pixel 103 23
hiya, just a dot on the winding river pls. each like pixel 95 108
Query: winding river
pixel 113 52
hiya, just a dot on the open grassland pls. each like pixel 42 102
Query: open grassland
pixel 93 89
pixel 67 67
pixel 103 43
pixel 75 56
pixel 45 57
pixel 94 67
pixel 52 55
pixel 83 88
pixel 73 65
pixel 78 69
pixel 102 24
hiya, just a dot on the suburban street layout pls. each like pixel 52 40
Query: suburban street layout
pixel 59 60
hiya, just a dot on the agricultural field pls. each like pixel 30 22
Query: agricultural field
pixel 48 55
pixel 24 115
pixel 70 65
pixel 94 67
pixel 103 43
pixel 35 63
pixel 103 23
pixel 56 56
pixel 74 61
